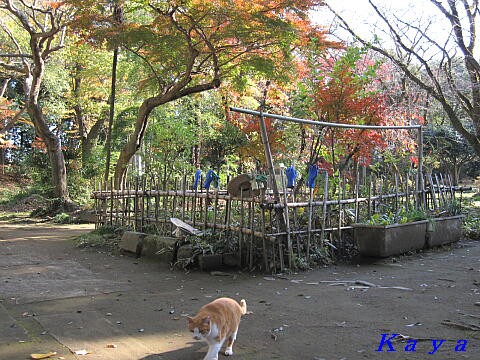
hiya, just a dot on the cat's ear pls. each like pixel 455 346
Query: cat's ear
pixel 206 320
pixel 190 319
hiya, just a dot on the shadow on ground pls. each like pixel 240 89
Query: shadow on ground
pixel 193 352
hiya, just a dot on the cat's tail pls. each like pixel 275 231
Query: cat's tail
pixel 243 306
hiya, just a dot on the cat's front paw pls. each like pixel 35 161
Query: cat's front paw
pixel 228 351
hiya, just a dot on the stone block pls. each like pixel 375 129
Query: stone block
pixel 210 262
pixel 159 247
pixel 230 260
pixel 132 242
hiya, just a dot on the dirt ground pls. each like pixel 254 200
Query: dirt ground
pixel 55 297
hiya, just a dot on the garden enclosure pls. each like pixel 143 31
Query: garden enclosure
pixel 268 224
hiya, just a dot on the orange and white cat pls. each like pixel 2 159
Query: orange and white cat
pixel 217 322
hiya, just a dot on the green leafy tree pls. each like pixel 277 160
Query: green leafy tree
pixel 34 32
pixel 190 47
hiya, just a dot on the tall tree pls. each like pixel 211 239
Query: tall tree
pixel 118 17
pixel 37 31
pixel 445 65
pixel 190 47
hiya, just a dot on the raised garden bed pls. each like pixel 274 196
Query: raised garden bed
pixel 444 230
pixel 388 240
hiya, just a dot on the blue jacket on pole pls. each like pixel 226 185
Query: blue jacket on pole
pixel 209 178
pixel 198 174
pixel 291 176
pixel 312 175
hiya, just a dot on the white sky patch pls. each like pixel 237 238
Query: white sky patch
pixel 360 15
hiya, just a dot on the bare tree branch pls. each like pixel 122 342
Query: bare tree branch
pixel 435 88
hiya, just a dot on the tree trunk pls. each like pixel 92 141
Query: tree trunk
pixel 55 153
pixel 135 140
pixel 54 147
pixel 111 115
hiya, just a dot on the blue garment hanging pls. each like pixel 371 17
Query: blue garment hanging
pixel 198 174
pixel 291 176
pixel 211 177
pixel 312 175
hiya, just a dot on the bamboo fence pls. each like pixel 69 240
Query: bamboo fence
pixel 268 233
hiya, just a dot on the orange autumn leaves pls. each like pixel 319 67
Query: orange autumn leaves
pixel 350 88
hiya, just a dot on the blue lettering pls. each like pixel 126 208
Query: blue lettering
pixel 411 344
pixel 436 346
pixel 387 342
pixel 461 345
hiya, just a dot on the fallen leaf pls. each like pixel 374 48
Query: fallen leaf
pixel 42 356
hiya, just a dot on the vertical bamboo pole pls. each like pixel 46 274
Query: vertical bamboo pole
pixel 420 165
pixel 105 202
pixel 98 208
pixel 433 192
pixel 228 212
pixel 194 206
pixel 187 200
pixel 268 155
pixel 135 207
pixel 264 240
pixel 142 198
pixel 369 196
pixel 251 208
pixel 339 230
pixel 184 192
pixel 174 203
pixel 295 223
pixel 357 190
pixel 443 181
pixel 407 192
pixel 215 210
pixel 111 201
pixel 167 224
pixel 147 193
pixel 450 185
pixel 240 236
pixel 396 194
pixel 287 222
pixel 440 190
pixel 205 220
pixel 128 185
pixel 324 207
pixel 157 204
pixel 274 251
pixel 309 228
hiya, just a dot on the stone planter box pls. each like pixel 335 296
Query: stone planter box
pixel 230 260
pixel 445 230
pixel 210 262
pixel 388 240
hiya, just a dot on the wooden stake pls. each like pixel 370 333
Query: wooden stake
pixel 310 214
pixel 287 221
pixel 433 192
pixel 240 238
pixel 264 241
pixel 324 207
